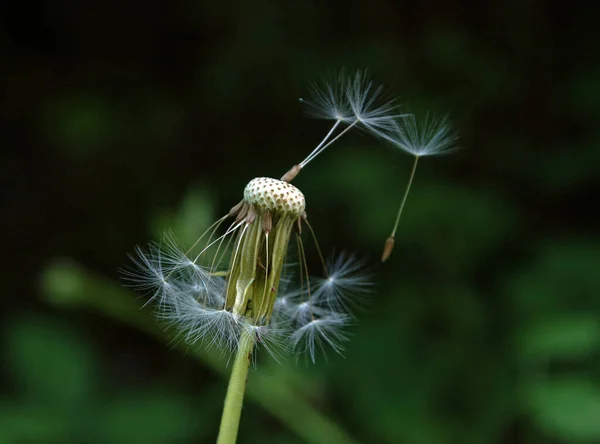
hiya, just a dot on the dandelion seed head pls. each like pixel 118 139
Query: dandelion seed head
pixel 214 306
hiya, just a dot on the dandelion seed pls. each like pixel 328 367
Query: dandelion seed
pixel 432 137
pixel 345 286
pixel 318 333
pixel 353 100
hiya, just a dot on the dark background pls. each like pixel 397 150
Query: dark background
pixel 122 119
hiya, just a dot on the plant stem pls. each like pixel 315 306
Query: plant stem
pixel 232 411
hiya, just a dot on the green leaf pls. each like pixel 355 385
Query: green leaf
pixel 194 215
pixel 568 409
pixel 564 276
pixel 151 418
pixel 49 362
pixel 456 226
pixel 566 336
pixel 32 423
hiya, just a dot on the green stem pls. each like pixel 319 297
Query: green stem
pixel 232 411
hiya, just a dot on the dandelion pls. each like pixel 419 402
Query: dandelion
pixel 353 100
pixel 232 288
pixel 226 291
pixel 430 137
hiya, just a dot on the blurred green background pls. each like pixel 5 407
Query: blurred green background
pixel 122 119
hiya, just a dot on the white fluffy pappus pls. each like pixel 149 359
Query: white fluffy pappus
pixel 272 337
pixel 319 311
pixel 354 100
pixel 429 137
pixel 319 333
pixel 370 106
pixel 346 286
pixel 185 295
pixel 165 271
pixel 191 299
pixel 329 100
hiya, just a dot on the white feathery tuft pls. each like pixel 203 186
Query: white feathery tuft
pixel 147 273
pixel 151 271
pixel 370 106
pixel 353 100
pixel 346 286
pixel 297 306
pixel 430 137
pixel 304 312
pixel 190 298
pixel 272 338
pixel 283 310
pixel 165 270
pixel 198 323
pixel 316 334
pixel 318 313
pixel 186 295
pixel 329 100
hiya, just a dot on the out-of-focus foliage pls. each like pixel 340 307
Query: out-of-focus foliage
pixel 59 396
pixel 279 390
pixel 125 119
